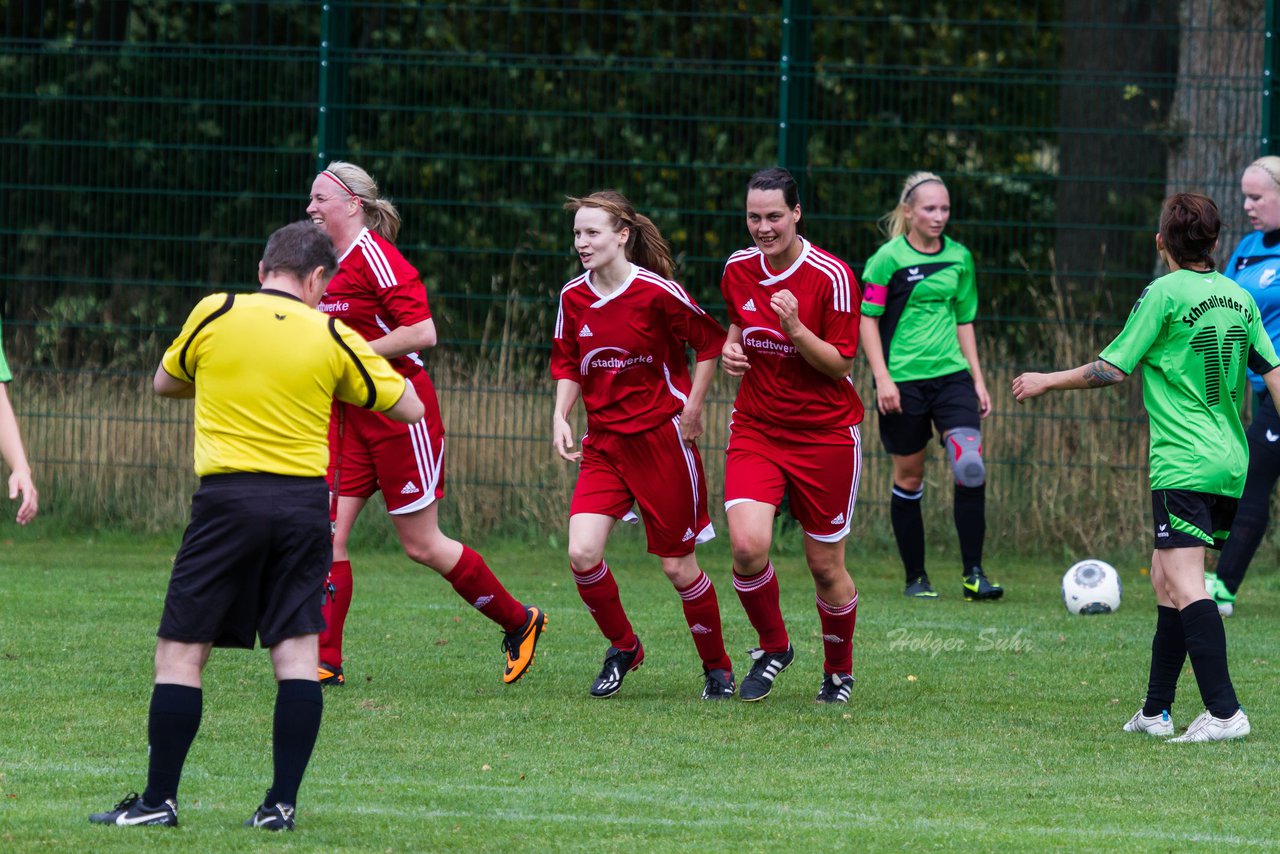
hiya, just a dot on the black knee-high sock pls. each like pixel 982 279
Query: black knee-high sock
pixel 171 727
pixel 1207 647
pixel 1168 654
pixel 1251 515
pixel 971 523
pixel 908 529
pixel 299 704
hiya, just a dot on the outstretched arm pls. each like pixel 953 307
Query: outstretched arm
pixel 1095 374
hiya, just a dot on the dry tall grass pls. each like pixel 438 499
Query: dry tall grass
pixel 1067 473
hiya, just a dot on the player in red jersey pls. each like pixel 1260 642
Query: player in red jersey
pixel 794 312
pixel 380 295
pixel 621 339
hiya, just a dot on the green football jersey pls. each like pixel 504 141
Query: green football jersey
pixel 920 298
pixel 1194 334
pixel 5 374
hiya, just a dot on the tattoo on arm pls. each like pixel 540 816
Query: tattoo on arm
pixel 1102 373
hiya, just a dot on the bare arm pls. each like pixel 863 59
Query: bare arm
pixel 1095 374
pixel 406 339
pixel 733 359
pixel 691 418
pixel 887 397
pixel 969 347
pixel 167 385
pixel 567 394
pixel 408 409
pixel 20 482
pixel 821 355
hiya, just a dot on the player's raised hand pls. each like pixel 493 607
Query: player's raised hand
pixel 562 439
pixel 733 359
pixel 787 307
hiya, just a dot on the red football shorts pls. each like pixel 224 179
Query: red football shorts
pixel 655 470
pixel 818 469
pixel 404 461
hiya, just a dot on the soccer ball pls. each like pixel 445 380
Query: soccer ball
pixel 1091 587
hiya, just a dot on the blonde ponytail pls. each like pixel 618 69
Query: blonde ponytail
pixel 379 214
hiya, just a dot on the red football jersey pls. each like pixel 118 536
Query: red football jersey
pixel 781 387
pixel 628 349
pixel 376 290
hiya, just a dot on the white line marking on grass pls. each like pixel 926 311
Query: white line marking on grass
pixel 783 817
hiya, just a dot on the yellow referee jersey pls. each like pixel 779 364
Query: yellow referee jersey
pixel 266 367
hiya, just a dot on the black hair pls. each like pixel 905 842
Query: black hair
pixel 777 178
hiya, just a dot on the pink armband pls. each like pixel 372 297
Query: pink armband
pixel 874 294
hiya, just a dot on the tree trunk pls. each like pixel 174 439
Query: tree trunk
pixel 1217 108
pixel 1115 55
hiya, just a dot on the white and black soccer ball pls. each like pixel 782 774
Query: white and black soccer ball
pixel 1091 587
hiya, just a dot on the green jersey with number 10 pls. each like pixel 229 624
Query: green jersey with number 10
pixel 1194 334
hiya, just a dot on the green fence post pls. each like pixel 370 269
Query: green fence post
pixel 334 32
pixel 1270 113
pixel 322 114
pixel 795 78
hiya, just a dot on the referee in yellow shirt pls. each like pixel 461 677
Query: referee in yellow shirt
pixel 264 369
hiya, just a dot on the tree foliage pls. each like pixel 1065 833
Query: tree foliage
pixel 155 143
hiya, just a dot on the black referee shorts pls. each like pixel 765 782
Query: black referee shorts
pixel 946 402
pixel 253 561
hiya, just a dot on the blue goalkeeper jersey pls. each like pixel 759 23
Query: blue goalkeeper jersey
pixel 1255 266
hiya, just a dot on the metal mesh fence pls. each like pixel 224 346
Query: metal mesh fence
pixel 150 146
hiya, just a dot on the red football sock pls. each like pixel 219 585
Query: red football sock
pixel 599 593
pixel 475 582
pixel 759 597
pixel 335 610
pixel 837 634
pixel 702 612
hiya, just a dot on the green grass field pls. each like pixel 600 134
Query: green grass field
pixel 976 726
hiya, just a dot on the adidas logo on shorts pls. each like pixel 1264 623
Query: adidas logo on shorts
pixel 482 601
pixel 749 305
pixel 585 331
pixel 699 629
pixel 410 488
pixel 688 535
pixel 838 519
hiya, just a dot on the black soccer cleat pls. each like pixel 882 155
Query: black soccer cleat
pixel 977 587
pixel 719 684
pixel 835 688
pixel 617 664
pixel 920 588
pixel 330 675
pixel 132 811
pixel 764 669
pixel 272 817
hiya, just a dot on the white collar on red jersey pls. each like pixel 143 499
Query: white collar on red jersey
pixel 603 298
pixel 772 278
pixel 354 243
